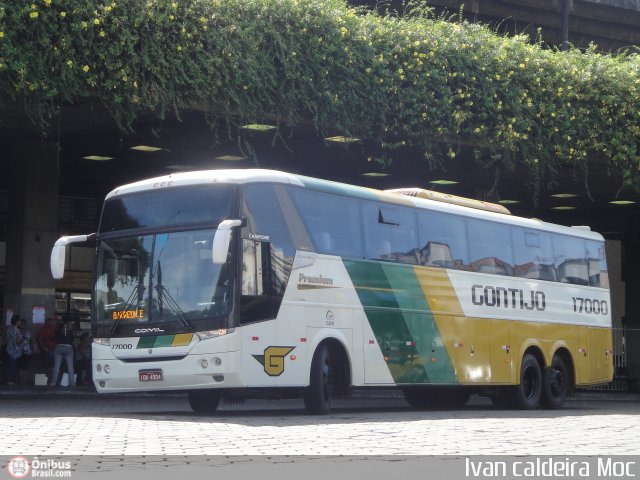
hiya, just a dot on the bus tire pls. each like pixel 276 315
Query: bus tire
pixel 318 395
pixel 436 397
pixel 204 401
pixel 555 384
pixel 526 395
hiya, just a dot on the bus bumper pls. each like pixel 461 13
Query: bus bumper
pixel 219 370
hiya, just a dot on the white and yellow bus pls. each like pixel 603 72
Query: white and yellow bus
pixel 257 283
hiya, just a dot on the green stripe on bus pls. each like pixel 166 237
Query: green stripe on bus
pixel 402 322
pixel 154 342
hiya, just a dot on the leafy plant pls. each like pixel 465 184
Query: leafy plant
pixel 410 81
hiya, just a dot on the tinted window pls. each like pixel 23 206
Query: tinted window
pixel 533 254
pixel 571 260
pixel 264 217
pixel 390 233
pixel 490 247
pixel 442 239
pixel 200 205
pixel 333 221
pixel 267 255
pixel 597 262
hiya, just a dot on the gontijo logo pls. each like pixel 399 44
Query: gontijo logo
pixel 273 360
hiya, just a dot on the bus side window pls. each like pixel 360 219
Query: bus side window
pixel 332 221
pixel 390 233
pixel 571 260
pixel 263 280
pixel 442 240
pixel 267 255
pixel 533 255
pixel 490 247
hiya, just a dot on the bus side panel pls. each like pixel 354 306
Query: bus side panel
pixel 401 320
pixel 599 352
pixel 258 356
pixel 291 338
pixel 319 299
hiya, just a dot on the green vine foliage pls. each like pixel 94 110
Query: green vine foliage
pixel 396 82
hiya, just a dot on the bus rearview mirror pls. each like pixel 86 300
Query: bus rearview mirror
pixel 221 241
pixel 59 253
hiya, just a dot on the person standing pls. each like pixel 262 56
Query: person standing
pixel 14 349
pixel 83 362
pixel 47 342
pixel 28 348
pixel 63 350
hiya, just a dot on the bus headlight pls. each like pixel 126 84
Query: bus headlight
pixel 107 369
pixel 214 333
pixel 102 341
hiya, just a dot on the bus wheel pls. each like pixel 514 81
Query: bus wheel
pixel 526 395
pixel 555 384
pixel 204 401
pixel 317 396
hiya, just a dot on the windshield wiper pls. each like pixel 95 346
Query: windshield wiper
pixel 164 295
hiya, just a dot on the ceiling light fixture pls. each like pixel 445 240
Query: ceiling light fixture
pixel 508 202
pixel 375 174
pixel 342 139
pixel 258 127
pixel 146 148
pixel 564 207
pixel 564 195
pixel 622 202
pixel 97 158
pixel 443 182
pixel 230 158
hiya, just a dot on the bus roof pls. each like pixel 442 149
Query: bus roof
pixel 244 176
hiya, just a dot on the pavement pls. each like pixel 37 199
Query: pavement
pixel 32 391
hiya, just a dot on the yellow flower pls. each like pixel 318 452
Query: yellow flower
pixel 47 2
pixel 85 68
pixel 63 14
pixel 1 34
pixel 96 21
pixel 70 63
pixel 33 14
pixel 102 33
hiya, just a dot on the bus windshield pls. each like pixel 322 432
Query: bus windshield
pixel 162 280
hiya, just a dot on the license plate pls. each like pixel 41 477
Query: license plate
pixel 150 375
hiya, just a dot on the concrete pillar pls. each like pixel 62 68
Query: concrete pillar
pixel 631 277
pixel 33 227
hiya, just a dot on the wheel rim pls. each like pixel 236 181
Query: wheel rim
pixel 556 382
pixel 327 381
pixel 530 383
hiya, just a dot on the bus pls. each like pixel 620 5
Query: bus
pixel 263 284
